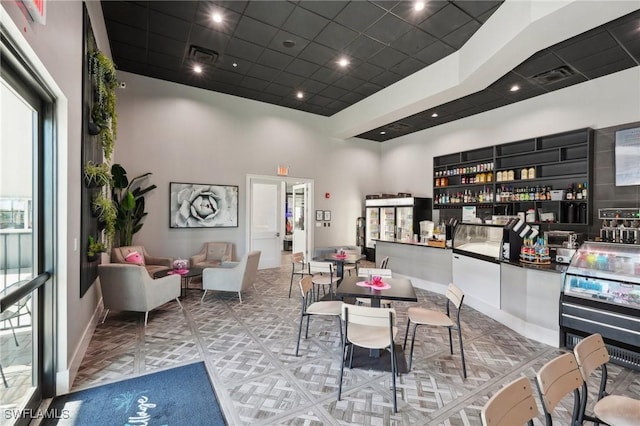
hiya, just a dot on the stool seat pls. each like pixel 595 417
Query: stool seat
pixel 618 410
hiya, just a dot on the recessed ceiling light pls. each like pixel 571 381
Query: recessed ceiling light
pixel 515 88
pixel 383 132
pixel 434 115
pixel 217 18
pixel 418 6
pixel 235 64
pixel 343 62
pixel 288 44
pixel 197 69
pixel 299 95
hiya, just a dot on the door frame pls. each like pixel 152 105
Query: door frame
pixel 281 207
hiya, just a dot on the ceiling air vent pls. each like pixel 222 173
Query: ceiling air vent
pixel 397 127
pixel 553 75
pixel 203 55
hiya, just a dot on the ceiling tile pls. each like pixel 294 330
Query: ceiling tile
pixel 368 89
pixel 413 41
pixel 164 61
pixel 129 51
pixel 302 68
pixel 169 46
pixel 269 98
pixel 445 21
pixel 320 100
pixel 364 47
pixel 336 36
pixel 275 59
pixel 279 89
pixel 227 77
pixel 126 34
pixel 184 10
pixel 359 15
pixel 289 80
pixel 477 8
pixel 312 86
pixel 326 75
pixel 482 97
pixel 318 54
pixel 167 74
pixel 352 97
pixel 483 18
pixel 226 63
pixel 388 29
pixel 131 66
pixel 366 71
pixel 270 12
pixel 305 23
pixel 335 92
pixel 328 9
pixel 460 36
pixel 126 13
pixel 434 52
pixel 593 42
pixel 387 58
pixel 168 26
pixel 282 36
pixel 262 72
pixel 255 31
pixel 386 78
pixel 348 82
pixel 244 49
pixel 407 67
pixel 337 105
pixel 204 37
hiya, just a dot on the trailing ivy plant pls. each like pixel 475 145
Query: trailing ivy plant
pixel 103 112
pixel 97 175
pixel 104 208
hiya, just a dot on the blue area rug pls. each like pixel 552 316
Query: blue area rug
pixel 179 396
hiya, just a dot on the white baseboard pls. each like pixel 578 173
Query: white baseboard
pixel 65 378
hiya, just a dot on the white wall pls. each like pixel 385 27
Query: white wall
pixel 184 134
pixel 407 162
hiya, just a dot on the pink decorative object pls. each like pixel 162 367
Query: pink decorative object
pixel 134 257
pixel 180 264
pixel 381 286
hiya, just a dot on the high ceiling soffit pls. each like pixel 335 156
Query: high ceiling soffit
pixel 453 58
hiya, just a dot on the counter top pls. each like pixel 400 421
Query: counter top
pixel 411 243
pixel 558 268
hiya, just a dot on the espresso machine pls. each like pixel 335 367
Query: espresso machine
pixel 620 225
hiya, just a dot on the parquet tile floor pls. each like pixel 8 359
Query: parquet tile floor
pixel 249 351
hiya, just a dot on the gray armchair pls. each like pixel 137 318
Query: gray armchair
pixel 153 264
pixel 130 288
pixel 213 254
pixel 232 276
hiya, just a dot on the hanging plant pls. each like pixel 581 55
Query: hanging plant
pixel 106 212
pixel 94 248
pixel 96 175
pixel 103 112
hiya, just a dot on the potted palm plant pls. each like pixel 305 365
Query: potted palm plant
pixel 128 197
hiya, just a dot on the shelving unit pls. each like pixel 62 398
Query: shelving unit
pixel 558 161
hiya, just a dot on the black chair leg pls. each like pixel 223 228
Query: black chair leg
pixel 464 365
pixel 341 371
pixel 406 333
pixel 291 285
pixel 4 380
pixel 413 339
pixel 340 328
pixel 450 342
pixel 306 332
pixel 299 333
pixel 393 377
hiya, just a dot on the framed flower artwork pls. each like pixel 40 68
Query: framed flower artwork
pixel 195 205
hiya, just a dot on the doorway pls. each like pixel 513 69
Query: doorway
pixel 268 204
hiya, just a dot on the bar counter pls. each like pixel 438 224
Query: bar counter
pixel 528 294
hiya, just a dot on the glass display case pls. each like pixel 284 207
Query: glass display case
pixel 478 240
pixel 601 294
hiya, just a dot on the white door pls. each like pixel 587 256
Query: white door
pixel 300 219
pixel 265 225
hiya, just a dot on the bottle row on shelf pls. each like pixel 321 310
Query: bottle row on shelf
pixel 506 193
pixel 509 175
pixel 481 167
pixel 467 180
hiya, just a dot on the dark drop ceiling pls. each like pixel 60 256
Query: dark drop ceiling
pixel 271 50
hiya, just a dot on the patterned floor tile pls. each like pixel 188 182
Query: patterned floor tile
pixel 250 350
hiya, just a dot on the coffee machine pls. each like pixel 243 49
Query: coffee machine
pixel 620 225
pixel 426 230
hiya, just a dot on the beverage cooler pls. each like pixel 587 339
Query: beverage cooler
pixel 601 294
pixel 392 219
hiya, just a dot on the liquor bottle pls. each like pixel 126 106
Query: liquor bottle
pixel 569 195
pixel 584 191
pixel 579 192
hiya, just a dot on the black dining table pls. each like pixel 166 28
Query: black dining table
pixel 339 261
pixel 401 290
